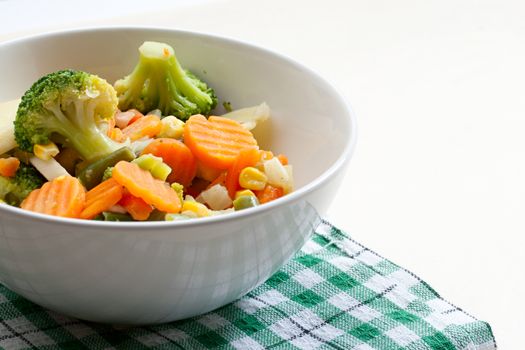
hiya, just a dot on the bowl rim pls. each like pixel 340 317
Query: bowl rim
pixel 295 195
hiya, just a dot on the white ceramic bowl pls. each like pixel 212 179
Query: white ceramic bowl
pixel 142 273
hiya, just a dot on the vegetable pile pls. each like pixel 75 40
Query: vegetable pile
pixel 145 148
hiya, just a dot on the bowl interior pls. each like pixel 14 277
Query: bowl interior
pixel 310 122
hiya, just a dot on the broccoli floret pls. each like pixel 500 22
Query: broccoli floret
pixel 67 107
pixel 108 173
pixel 13 190
pixel 159 82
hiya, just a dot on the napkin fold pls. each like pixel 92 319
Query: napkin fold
pixel 334 294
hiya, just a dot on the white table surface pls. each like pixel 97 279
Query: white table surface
pixel 437 182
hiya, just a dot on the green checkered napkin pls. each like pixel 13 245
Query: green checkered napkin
pixel 334 294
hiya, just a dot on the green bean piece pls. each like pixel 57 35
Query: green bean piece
pixel 92 174
pixel 110 216
pixel 157 215
pixel 99 217
pixel 244 202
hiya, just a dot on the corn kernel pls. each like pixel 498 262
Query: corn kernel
pixel 252 178
pixel 46 152
pixel 244 193
pixel 179 189
pixel 198 208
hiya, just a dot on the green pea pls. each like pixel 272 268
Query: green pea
pixel 244 202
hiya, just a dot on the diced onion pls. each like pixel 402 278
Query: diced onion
pixel 249 117
pixel 276 173
pixel 216 197
pixel 51 169
pixel 288 187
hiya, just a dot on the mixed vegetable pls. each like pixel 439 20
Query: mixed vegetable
pixel 145 148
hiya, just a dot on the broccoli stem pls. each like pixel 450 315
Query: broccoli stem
pixel 93 144
pixel 81 132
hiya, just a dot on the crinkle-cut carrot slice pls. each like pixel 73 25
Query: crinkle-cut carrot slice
pixel 142 184
pixel 63 196
pixel 217 141
pixel 101 197
pixel 147 126
pixel 177 156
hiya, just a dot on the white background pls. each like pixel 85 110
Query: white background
pixel 437 182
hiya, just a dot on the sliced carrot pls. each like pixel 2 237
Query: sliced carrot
pixel 63 196
pixel 216 141
pixel 136 116
pixel 116 134
pixel 177 156
pixel 9 166
pixel 269 193
pixel 147 126
pixel 123 118
pixel 246 157
pixel 219 180
pixel 141 183
pixel 135 206
pixel 101 197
